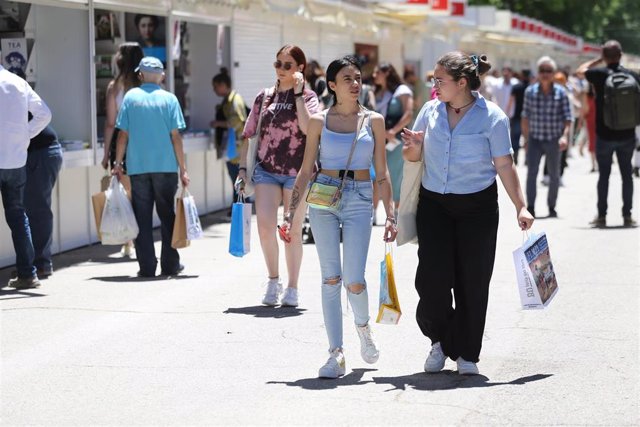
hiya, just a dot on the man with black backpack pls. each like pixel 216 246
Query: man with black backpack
pixel 617 115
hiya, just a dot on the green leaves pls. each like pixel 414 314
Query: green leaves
pixel 594 20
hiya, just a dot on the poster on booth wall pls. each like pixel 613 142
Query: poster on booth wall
pixel 14 56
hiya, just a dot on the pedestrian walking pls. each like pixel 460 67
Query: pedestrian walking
pixel 546 126
pixel 502 89
pixel 315 76
pixel 44 160
pixel 394 100
pixel 17 100
pixel 421 93
pixel 346 139
pixel 233 116
pixel 282 140
pixel 127 59
pixel 614 106
pixel 149 122
pixel 516 102
pixel 464 140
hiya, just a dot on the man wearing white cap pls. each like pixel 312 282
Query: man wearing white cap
pixel 149 121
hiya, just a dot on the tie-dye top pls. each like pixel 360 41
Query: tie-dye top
pixel 282 143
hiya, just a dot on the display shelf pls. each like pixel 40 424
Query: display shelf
pixel 196 142
pixel 77 158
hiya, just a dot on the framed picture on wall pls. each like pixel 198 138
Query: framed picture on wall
pixel 14 56
pixel 367 54
pixel 107 27
pixel 149 31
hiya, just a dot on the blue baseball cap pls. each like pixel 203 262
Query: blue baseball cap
pixel 150 64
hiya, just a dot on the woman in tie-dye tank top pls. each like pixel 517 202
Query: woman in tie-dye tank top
pixel 282 140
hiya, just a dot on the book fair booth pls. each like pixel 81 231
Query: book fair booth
pixel 65 48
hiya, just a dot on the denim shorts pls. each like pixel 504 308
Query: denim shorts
pixel 261 176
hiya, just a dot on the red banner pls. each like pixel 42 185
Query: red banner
pixel 440 5
pixel 457 8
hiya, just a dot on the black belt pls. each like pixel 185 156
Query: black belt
pixel 350 174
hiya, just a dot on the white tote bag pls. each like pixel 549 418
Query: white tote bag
pixel 119 223
pixel 536 277
pixel 409 194
pixel 194 228
pixel 252 150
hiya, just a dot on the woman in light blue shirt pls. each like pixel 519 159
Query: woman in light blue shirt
pixel 466 144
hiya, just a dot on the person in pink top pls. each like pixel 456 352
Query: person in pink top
pixel 282 140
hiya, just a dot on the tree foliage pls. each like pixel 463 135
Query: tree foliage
pixel 594 20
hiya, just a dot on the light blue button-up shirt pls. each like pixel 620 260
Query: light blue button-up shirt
pixel 461 161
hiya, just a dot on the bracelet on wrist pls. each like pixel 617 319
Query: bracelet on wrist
pixel 242 168
pixel 392 220
pixel 298 95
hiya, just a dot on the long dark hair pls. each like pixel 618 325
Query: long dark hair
pixel 460 65
pixel 127 59
pixel 334 68
pixel 393 78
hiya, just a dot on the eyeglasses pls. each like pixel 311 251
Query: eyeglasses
pixel 438 82
pixel 287 65
pixel 545 70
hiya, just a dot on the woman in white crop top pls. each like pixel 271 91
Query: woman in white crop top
pixel 337 129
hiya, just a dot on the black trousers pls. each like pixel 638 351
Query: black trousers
pixel 457 245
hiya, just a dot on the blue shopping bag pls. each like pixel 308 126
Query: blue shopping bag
pixel 232 150
pixel 240 236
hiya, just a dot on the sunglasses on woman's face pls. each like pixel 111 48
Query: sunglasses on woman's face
pixel 287 65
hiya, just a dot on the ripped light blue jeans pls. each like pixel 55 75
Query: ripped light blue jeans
pixel 355 215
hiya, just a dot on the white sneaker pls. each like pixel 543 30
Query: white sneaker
pixel 466 368
pixel 435 360
pixel 335 366
pixel 127 250
pixel 290 298
pixel 272 295
pixel 368 348
pixel 545 180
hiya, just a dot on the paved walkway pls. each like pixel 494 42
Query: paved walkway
pixel 95 345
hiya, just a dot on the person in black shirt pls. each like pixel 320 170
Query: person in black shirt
pixel 44 160
pixel 609 141
pixel 517 100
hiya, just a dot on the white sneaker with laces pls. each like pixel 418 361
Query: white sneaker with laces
pixel 290 298
pixel 466 368
pixel 435 360
pixel 368 348
pixel 272 295
pixel 335 366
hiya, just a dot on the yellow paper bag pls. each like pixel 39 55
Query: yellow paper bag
pixel 389 311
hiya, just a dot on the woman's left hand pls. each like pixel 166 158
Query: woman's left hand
pixel 298 82
pixel 390 231
pixel 525 219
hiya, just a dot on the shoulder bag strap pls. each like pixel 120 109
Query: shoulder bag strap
pixel 353 144
pixel 260 111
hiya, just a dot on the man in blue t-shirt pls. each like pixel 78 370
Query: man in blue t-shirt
pixel 149 121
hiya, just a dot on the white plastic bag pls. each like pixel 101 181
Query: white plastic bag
pixel 118 221
pixel 194 228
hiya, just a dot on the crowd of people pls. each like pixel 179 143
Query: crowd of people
pixel 350 134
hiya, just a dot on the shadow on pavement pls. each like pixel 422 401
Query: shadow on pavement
pixel 7 294
pixel 122 279
pixel 108 254
pixel 263 311
pixel 448 380
pixel 352 378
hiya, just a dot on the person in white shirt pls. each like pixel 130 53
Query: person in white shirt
pixel 17 100
pixel 501 90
